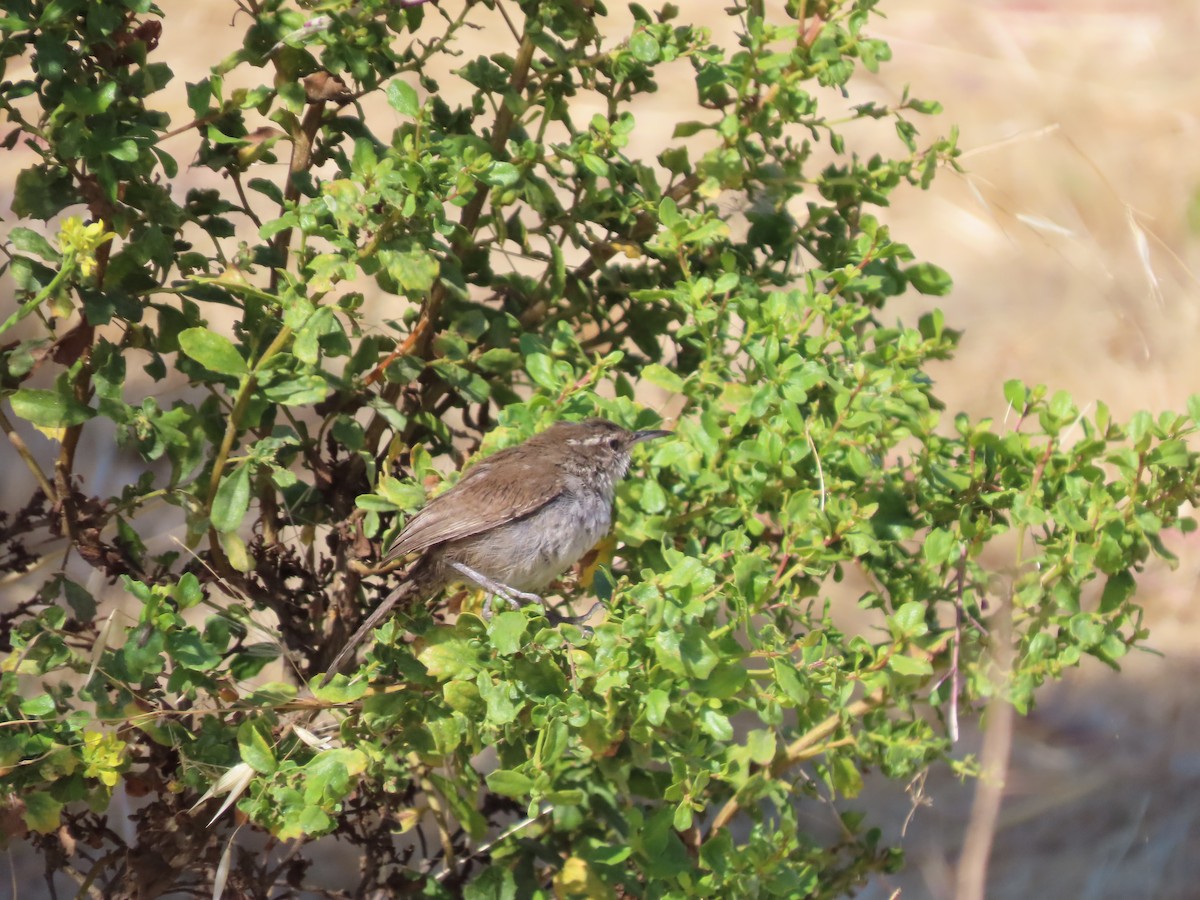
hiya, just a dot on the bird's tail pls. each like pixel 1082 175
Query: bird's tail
pixel 403 592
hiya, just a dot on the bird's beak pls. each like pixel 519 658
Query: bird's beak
pixel 649 435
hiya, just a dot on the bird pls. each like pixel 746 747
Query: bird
pixel 515 520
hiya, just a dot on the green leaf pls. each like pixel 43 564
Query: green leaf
pixel 663 853
pixel 941 547
pixel 1117 590
pixel 688 653
pixel 82 603
pixel 329 775
pixel 449 657
pixel 502 174
pixel 213 351
pixel 41 705
pixel 125 150
pixel 643 46
pixel 42 191
pixel 340 689
pixel 663 377
pixel 254 749
pixel 232 500
pixel 541 370
pixel 493 883
pixel 907 665
pixel 682 818
pixel 141 656
pixel 303 821
pixel 188 649
pixel 929 279
pixel 199 94
pixel 50 409
pixel 761 744
pixel 29 241
pixel 446 731
pixel 555 740
pixel 462 697
pixel 375 503
pixel 653 497
pixel 909 620
pixel 595 165
pixel 507 629
pixel 1016 394
pixel 501 697
pixel 1087 629
pixel 298 390
pixel 668 213
pixel 251 661
pixel 657 704
pixel 716 724
pixel 683 130
pixel 402 97
pixel 415 271
pixel 188 593
pixel 508 783
pixel 43 813
pixel 1171 454
pixel 845 776
pixel 499 360
pixel 688 572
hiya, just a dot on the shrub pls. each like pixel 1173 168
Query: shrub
pixel 536 269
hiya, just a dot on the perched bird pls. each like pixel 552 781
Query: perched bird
pixel 516 520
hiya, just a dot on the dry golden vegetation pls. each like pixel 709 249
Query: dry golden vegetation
pixel 1072 241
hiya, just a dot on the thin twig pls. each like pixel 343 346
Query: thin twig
pixel 804 747
pixel 23 451
pixel 994 758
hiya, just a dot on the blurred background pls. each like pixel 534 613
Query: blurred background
pixel 1072 241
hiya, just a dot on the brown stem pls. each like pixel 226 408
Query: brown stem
pixel 421 337
pixel 100 209
pixel 195 123
pixel 65 464
pixel 302 146
pixel 804 747
pixel 405 347
pixel 236 178
pixel 23 451
pixel 994 758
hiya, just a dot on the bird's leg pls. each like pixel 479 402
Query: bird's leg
pixel 494 588
pixel 515 597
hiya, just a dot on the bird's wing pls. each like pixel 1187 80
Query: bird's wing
pixel 477 503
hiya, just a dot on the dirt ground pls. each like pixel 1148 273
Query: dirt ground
pixel 1072 240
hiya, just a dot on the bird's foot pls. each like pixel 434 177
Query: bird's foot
pixel 559 619
pixel 514 597
pixel 517 598
pixel 495 589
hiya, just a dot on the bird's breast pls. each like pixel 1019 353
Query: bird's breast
pixel 530 552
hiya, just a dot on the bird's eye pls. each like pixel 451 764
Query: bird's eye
pixel 614 443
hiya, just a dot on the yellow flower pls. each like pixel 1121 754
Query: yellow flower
pixel 80 242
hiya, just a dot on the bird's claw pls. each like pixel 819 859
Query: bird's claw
pixel 518 599
pixel 559 619
pixel 515 598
